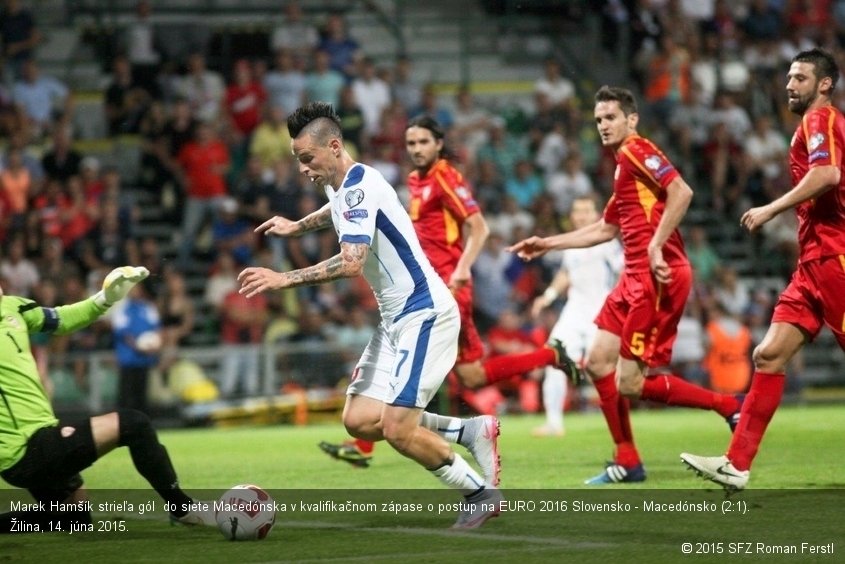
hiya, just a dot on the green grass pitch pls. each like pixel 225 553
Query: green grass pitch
pixel 796 495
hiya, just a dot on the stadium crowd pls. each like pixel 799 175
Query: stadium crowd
pixel 215 149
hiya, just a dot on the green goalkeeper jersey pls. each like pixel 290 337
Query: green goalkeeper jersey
pixel 24 406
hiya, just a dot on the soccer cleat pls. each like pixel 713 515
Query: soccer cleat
pixel 717 469
pixel 616 473
pixel 478 508
pixel 480 436
pixel 197 517
pixel 348 453
pixel 733 418
pixel 563 362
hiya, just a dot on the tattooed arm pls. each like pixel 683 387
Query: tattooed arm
pixel 349 263
pixel 283 227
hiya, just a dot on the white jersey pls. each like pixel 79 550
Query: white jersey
pixel 592 271
pixel 366 209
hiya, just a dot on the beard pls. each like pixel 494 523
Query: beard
pixel 802 103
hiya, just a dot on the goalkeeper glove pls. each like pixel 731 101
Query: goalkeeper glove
pixel 118 283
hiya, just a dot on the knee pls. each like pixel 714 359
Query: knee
pixel 598 367
pixel 362 428
pixel 134 425
pixel 768 359
pixel 630 388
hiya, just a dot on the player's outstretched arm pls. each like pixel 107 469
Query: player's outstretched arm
pixel 72 317
pixel 589 236
pixel 284 227
pixel 349 263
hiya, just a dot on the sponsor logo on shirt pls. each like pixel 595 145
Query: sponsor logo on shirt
pixel 352 215
pixel 818 155
pixel 354 197
pixel 815 141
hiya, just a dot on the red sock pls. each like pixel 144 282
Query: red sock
pixel 673 390
pixel 503 367
pixel 365 446
pixel 616 413
pixel 759 407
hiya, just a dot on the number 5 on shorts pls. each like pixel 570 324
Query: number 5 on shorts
pixel 638 344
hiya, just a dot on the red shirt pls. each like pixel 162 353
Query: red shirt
pixel 639 197
pixel 233 328
pixel 199 162
pixel 441 201
pixel 818 141
pixel 244 104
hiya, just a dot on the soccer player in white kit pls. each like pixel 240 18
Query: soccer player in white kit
pixel 586 276
pixel 416 343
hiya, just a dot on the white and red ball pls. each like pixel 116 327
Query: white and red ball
pixel 245 512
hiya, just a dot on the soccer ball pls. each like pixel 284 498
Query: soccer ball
pixel 245 512
pixel 148 341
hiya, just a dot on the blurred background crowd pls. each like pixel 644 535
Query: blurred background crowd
pixel 181 149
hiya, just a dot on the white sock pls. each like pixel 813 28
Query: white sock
pixel 447 427
pixel 460 476
pixel 554 394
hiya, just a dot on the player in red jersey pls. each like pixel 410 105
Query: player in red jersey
pixel 816 292
pixel 638 322
pixel 442 208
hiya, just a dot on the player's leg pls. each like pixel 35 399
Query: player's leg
pixel 603 364
pixel 134 430
pixel 479 435
pixel 554 394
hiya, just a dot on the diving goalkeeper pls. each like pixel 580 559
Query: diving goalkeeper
pixel 45 456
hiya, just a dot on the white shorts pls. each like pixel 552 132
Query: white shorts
pixel 405 364
pixel 576 332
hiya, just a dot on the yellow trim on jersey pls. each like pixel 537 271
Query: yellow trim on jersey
pixel 447 189
pixel 646 197
pixel 453 232
pixel 659 296
pixel 638 164
pixel 831 116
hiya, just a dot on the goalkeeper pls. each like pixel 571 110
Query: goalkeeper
pixel 45 456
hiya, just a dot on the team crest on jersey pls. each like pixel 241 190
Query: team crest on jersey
pixel 13 321
pixel 354 197
pixel 426 193
pixel 815 141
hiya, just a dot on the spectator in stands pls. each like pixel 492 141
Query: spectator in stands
pixel 51 263
pixel 222 281
pixel 244 100
pixel 492 287
pixel 17 186
pixel 351 120
pixel 18 141
pixel 728 359
pixel 689 126
pixel 42 99
pixel 126 101
pixel 560 91
pixel 568 182
pixel 703 258
pixel 551 150
pixel 233 234
pixel 523 184
pixel 315 365
pixel 142 49
pixel 731 291
pixel 204 164
pixel 20 273
pixel 471 122
pixel 372 94
pixel 734 116
pixel 271 140
pixel 489 187
pixel 286 83
pixel 155 150
pixel 724 165
pixel 668 80
pixel 204 89
pixel 546 119
pixel 80 213
pixel 242 323
pixel 762 21
pixel 343 51
pixel 20 35
pixel 352 335
pixel 177 315
pixel 688 350
pixel 405 88
pixel 765 153
pixel 323 83
pixel 511 218
pixel 430 105
pixel 503 149
pixel 133 320
pixel 62 161
pixel 294 34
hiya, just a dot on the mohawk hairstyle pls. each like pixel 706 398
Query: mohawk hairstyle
pixel 319 118
pixel 616 94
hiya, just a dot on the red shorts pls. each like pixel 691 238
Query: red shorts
pixel 470 346
pixel 816 294
pixel 645 314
